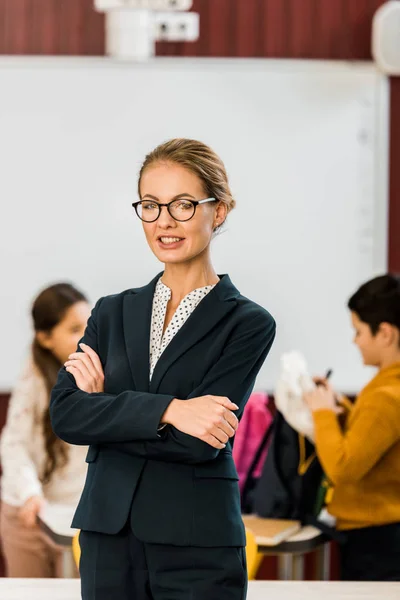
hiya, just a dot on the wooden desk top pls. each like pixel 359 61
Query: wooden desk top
pixel 271 532
pixel 69 589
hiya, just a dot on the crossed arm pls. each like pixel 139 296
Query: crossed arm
pixel 197 427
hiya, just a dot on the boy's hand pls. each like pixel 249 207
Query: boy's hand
pixel 323 398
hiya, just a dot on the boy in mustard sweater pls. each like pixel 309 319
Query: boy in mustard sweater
pixel 362 459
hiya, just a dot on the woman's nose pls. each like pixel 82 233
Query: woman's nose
pixel 165 219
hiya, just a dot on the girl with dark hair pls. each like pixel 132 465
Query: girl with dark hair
pixel 38 466
pixel 362 458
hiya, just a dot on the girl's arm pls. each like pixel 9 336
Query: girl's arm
pixel 20 479
pixel 349 456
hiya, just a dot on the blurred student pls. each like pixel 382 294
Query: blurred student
pixel 362 459
pixel 37 466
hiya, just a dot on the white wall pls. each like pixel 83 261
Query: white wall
pixel 305 145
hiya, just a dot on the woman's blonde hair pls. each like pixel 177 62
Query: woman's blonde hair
pixel 198 158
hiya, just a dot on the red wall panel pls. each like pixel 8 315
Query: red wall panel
pixel 50 27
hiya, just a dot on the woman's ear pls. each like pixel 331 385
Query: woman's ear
pixel 221 212
pixel 44 339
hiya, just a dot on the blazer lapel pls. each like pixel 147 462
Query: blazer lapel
pixel 137 309
pixel 211 310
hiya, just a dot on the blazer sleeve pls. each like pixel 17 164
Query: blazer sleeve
pixel 81 418
pixel 233 375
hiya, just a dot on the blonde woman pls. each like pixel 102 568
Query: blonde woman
pixel 163 377
pixel 37 466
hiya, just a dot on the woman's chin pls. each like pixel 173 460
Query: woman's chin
pixel 169 257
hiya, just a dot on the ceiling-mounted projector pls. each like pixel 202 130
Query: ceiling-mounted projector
pixel 134 26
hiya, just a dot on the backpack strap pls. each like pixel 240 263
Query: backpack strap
pixel 257 456
pixel 331 532
pixel 304 463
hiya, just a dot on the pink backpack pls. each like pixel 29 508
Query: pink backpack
pixel 253 428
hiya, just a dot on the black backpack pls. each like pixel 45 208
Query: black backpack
pixel 291 485
pixel 251 482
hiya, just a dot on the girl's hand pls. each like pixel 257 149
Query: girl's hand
pixel 87 370
pixel 323 398
pixel 29 511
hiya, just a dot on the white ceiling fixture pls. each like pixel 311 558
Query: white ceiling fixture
pixel 386 37
pixel 134 26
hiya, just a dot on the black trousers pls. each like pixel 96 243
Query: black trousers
pixel 371 554
pixel 120 567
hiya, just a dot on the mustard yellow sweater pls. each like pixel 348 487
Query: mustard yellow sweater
pixel 362 460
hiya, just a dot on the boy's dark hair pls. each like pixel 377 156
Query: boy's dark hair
pixel 378 301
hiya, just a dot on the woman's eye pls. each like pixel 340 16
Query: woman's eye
pixel 185 205
pixel 149 206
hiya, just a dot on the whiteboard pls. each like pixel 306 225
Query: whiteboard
pixel 306 148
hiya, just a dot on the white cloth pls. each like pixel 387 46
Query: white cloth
pixel 22 448
pixel 162 295
pixel 293 383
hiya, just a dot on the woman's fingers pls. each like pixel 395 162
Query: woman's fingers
pixel 220 435
pixel 94 357
pixel 224 401
pixel 81 357
pixel 224 427
pixel 82 368
pixel 86 368
pixel 214 442
pixel 80 380
pixel 231 419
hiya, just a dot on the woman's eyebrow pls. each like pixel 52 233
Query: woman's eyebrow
pixel 184 195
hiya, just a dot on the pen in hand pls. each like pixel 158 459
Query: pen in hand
pixel 323 380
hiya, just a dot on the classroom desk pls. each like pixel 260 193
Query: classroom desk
pixel 271 536
pixel 290 543
pixel 55 521
pixel 67 589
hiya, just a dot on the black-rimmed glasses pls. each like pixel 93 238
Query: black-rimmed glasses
pixel 181 209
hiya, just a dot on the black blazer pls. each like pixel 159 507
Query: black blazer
pixel 180 490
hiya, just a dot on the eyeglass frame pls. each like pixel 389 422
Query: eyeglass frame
pixel 168 204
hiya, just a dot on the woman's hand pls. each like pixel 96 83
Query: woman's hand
pixel 208 418
pixel 28 513
pixel 87 370
pixel 322 398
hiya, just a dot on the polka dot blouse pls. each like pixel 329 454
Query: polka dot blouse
pixel 162 295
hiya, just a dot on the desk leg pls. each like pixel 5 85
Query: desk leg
pixel 291 567
pixel 68 569
pixel 323 562
pixel 298 567
pixel 285 567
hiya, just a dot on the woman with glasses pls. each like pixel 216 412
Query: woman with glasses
pixel 162 377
